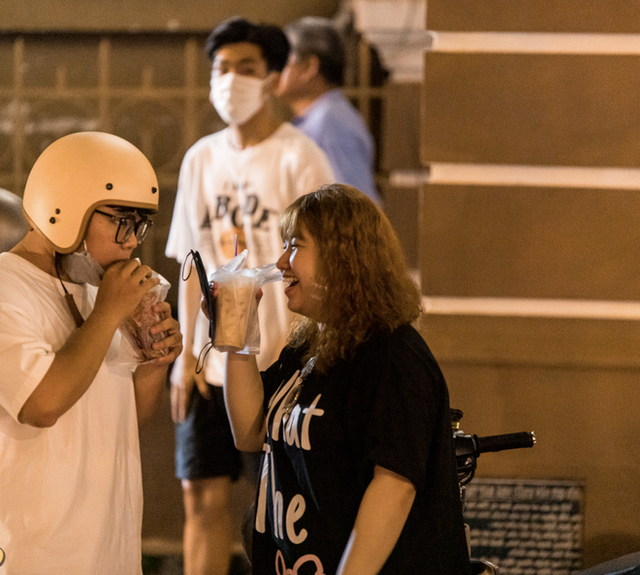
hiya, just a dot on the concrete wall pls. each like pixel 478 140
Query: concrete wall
pixel 141 15
pixel 529 242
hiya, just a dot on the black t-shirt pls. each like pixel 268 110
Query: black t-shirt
pixel 387 406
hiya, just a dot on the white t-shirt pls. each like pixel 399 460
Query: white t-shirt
pixel 223 191
pixel 70 494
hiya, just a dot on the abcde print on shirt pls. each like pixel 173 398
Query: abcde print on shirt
pixel 239 213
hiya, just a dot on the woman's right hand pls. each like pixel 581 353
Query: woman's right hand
pixel 213 293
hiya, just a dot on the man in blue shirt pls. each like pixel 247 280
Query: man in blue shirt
pixel 310 84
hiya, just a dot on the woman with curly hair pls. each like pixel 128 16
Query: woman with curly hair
pixel 358 472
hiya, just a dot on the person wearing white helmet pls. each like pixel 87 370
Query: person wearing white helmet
pixel 71 392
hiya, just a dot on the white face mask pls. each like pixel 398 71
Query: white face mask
pixel 82 268
pixel 236 98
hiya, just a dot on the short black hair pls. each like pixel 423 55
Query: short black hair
pixel 315 36
pixel 271 40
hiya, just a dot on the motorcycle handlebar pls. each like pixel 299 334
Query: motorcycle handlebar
pixel 492 443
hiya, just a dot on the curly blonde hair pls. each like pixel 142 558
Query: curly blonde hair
pixel 361 265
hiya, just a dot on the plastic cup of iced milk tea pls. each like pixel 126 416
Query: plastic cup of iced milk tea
pixel 236 298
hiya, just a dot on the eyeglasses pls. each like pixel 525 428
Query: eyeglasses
pixel 128 225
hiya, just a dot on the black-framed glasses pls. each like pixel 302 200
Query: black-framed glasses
pixel 128 225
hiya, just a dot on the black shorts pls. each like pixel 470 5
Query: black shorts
pixel 204 442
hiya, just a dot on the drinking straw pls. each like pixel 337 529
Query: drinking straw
pixel 235 245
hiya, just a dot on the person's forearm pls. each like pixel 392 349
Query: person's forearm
pixel 244 396
pixel 381 517
pixel 183 375
pixel 188 309
pixel 149 378
pixel 149 381
pixel 72 371
pixel 77 362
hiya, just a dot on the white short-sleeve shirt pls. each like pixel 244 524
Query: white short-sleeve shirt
pixel 70 494
pixel 224 192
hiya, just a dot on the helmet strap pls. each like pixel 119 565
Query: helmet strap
pixel 71 303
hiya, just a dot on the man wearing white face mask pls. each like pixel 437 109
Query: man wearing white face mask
pixel 233 184
pixel 237 98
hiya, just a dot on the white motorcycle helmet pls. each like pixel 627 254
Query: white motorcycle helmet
pixel 79 173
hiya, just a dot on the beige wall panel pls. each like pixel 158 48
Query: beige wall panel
pixel 530 242
pixel 401 207
pixel 400 150
pixel 401 144
pixel 573 382
pixel 539 109
pixel 615 16
pixel 140 15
